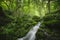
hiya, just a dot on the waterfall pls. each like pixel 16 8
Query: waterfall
pixel 31 34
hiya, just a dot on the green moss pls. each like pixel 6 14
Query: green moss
pixel 50 25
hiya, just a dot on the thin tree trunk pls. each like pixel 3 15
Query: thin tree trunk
pixel 48 4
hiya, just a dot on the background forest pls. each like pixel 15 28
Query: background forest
pixel 17 17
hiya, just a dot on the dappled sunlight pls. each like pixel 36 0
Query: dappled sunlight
pixel 17 17
pixel 36 13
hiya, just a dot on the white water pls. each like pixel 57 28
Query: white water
pixel 31 33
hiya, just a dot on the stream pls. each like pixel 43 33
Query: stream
pixel 31 34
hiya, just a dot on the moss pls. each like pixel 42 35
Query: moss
pixel 50 25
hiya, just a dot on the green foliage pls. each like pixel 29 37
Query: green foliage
pixel 51 27
pixel 15 27
pixel 17 17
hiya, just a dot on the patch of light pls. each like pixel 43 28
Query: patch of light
pixel 40 0
pixel 45 6
pixel 37 13
pixel 52 6
pixel 22 1
pixel 43 12
pixel 46 1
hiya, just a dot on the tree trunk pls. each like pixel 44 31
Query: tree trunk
pixel 48 4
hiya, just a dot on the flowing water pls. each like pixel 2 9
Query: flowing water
pixel 31 34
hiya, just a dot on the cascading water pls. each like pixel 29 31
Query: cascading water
pixel 31 33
